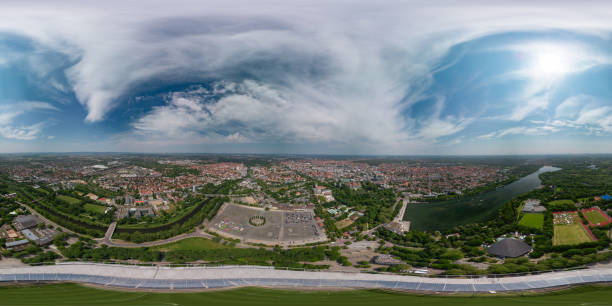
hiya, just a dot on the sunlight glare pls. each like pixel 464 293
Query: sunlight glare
pixel 551 63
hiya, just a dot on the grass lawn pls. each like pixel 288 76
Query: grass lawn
pixel 532 220
pixel 191 244
pixel 95 208
pixel 343 223
pixel 594 217
pixel 556 202
pixel 570 234
pixel 71 294
pixel 69 200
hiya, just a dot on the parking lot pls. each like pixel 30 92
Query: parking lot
pixel 280 226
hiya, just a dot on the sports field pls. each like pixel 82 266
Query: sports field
pixel 95 208
pixel 595 217
pixel 343 223
pixel 564 202
pixel 70 294
pixel 69 200
pixel 532 220
pixel 570 234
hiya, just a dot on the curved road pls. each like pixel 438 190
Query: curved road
pixel 34 212
pixel 108 241
pixel 109 233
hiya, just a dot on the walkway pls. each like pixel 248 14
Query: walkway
pixel 112 243
pixel 108 237
pixel 400 215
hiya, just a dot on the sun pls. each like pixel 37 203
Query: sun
pixel 550 63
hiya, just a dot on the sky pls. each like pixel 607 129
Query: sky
pixel 308 77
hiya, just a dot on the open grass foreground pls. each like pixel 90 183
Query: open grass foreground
pixel 72 294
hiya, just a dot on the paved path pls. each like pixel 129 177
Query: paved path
pixel 109 233
pixel 166 278
pixel 400 215
pixel 108 241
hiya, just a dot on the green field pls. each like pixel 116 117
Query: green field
pixel 563 202
pixel 95 208
pixel 570 234
pixel 70 294
pixel 191 244
pixel 594 217
pixel 532 220
pixel 69 200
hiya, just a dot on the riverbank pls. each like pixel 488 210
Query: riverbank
pixel 471 209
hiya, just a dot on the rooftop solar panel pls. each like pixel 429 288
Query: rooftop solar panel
pixel 215 283
pixel 310 282
pixel 458 287
pixel 407 285
pixel 591 278
pixel 538 284
pixel 516 286
pixel 488 287
pixel 431 287
pixel 575 280
pixel 194 284
pixel 557 281
pixel 387 284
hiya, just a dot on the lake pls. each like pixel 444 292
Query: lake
pixel 470 209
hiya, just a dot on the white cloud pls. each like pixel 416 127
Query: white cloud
pixel 145 41
pixel 22 132
pixel 347 79
pixel 257 112
pixel 9 112
pixel 584 112
pixel 532 104
pixel 521 130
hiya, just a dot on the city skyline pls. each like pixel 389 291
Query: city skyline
pixel 428 78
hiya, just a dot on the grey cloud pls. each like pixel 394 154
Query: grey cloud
pixel 340 71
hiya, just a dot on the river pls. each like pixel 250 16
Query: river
pixel 470 209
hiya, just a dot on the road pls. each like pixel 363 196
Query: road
pixel 402 211
pixel 34 212
pixel 108 241
pixel 397 218
pixel 109 233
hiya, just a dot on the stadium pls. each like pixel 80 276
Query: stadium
pixel 202 278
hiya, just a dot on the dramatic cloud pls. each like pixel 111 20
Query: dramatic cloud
pixel 348 74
